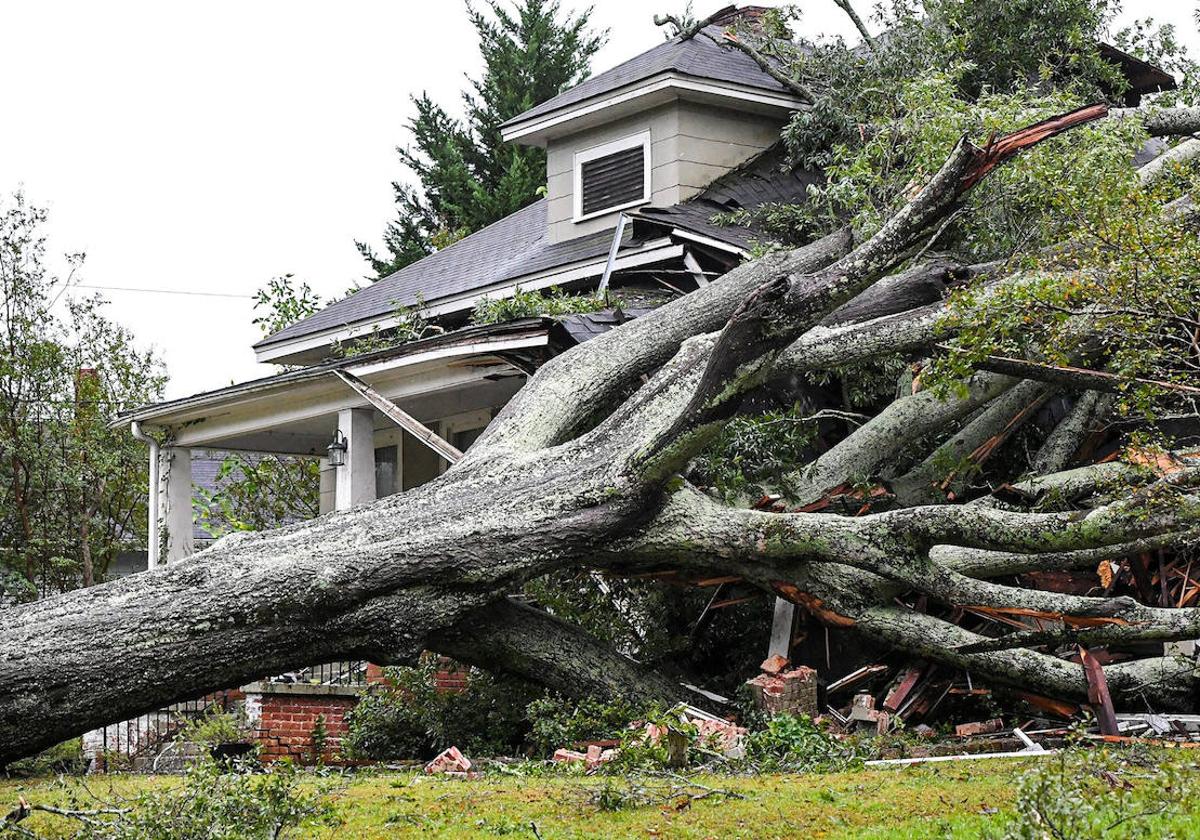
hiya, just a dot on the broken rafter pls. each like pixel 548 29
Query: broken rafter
pixel 401 418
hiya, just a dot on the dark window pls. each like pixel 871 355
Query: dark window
pixel 385 471
pixel 613 180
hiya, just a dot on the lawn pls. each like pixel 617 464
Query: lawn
pixel 953 799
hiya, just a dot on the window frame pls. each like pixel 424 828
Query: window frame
pixel 642 138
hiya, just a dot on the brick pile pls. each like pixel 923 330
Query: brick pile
pixel 782 689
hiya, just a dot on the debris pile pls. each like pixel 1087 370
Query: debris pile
pixel 451 762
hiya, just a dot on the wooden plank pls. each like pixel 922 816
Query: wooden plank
pixel 855 677
pixel 896 698
pixel 1098 693
pixel 401 418
pixel 1061 708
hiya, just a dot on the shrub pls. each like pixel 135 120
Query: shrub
pixel 411 718
pixel 66 757
pixel 214 727
pixel 793 743
pixel 554 722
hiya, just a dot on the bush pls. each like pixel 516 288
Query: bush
pixel 411 718
pixel 65 758
pixel 555 723
pixel 214 727
pixel 793 743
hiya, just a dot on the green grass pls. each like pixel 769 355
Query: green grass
pixel 954 799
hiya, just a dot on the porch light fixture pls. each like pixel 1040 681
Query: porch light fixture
pixel 337 449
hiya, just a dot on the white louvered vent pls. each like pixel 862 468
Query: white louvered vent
pixel 612 176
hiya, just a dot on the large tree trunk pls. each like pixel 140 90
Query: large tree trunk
pixel 581 470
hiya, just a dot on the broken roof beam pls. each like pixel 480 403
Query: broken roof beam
pixel 401 417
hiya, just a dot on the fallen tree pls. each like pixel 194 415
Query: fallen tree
pixel 582 470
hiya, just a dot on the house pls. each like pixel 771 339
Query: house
pixel 639 160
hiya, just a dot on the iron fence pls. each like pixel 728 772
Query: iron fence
pixel 331 673
pixel 144 734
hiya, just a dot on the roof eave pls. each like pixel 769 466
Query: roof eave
pixel 295 348
pixel 466 340
pixel 641 94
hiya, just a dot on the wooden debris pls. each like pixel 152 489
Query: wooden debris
pixel 855 677
pixel 983 727
pixel 1098 693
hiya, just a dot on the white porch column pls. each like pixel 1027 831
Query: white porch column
pixel 781 629
pixel 356 479
pixel 328 486
pixel 177 502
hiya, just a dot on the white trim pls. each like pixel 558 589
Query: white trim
pixel 700 239
pixel 670 82
pixel 186 409
pixel 653 251
pixel 642 138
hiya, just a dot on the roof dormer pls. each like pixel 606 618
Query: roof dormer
pixel 652 131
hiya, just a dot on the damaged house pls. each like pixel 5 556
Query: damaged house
pixel 640 160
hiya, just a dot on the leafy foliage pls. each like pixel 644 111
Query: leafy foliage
pixel 469 177
pixel 65 758
pixel 1086 793
pixel 556 722
pixel 533 304
pixel 412 718
pixel 214 803
pixel 215 727
pixel 257 493
pixel 283 303
pixel 72 489
pixel 793 743
pixel 756 454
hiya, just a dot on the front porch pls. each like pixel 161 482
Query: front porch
pixel 396 419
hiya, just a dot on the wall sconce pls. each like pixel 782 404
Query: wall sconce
pixel 337 449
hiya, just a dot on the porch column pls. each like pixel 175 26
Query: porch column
pixel 176 499
pixel 356 479
pixel 781 629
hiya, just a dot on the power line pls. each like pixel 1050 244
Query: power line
pixel 163 291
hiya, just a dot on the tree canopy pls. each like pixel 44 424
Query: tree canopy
pixel 72 489
pixel 467 176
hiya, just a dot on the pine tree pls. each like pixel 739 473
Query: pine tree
pixel 468 176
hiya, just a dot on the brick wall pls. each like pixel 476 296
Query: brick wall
pixel 287 715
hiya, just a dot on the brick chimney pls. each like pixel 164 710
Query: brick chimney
pixel 734 14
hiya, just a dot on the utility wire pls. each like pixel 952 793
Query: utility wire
pixel 163 291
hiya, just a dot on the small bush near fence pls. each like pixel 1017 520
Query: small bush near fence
pixel 65 758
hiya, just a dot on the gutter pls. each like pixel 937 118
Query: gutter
pixel 152 547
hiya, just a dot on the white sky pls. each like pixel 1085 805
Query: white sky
pixel 208 147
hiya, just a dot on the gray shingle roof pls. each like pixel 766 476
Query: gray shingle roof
pixel 699 56
pixel 511 248
pixel 761 180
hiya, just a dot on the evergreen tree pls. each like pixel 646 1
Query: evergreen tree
pixel 468 177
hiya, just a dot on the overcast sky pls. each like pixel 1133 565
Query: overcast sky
pixel 207 147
